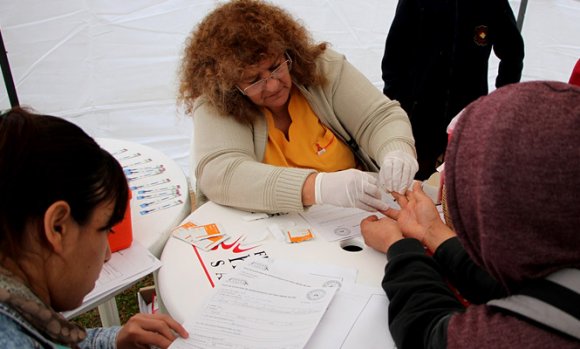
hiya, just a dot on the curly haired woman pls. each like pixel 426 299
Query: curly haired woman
pixel 281 122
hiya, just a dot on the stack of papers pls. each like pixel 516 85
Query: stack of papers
pixel 256 307
pixel 267 303
pixel 123 269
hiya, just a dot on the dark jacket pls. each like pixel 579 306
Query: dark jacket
pixel 422 305
pixel 436 60
pixel 421 301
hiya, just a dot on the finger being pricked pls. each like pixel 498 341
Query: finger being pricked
pixel 417 194
pixel 410 196
pixel 417 187
pixel 401 199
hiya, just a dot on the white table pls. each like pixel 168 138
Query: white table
pixel 147 169
pixel 151 229
pixel 188 273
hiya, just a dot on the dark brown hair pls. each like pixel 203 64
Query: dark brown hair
pixel 237 35
pixel 44 159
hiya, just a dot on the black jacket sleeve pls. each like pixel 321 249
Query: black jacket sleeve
pixel 420 301
pixel 397 58
pixel 508 46
pixel 474 284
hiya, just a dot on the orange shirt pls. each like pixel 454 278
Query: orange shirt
pixel 309 145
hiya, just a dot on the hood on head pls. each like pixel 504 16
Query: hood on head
pixel 512 176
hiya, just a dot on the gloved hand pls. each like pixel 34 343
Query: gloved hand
pixel 397 171
pixel 349 188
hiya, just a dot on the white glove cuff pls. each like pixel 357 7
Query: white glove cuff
pixel 317 185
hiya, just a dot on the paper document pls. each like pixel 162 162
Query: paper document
pixel 123 269
pixel 257 307
pixel 339 223
pixel 356 318
pixel 335 223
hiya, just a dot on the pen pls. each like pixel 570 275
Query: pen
pixel 146 204
pixel 172 188
pixel 129 157
pixel 151 184
pixel 175 203
pixel 138 163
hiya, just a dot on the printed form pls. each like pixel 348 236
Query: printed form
pixel 255 307
pixel 281 304
pixel 340 223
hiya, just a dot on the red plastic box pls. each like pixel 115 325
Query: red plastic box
pixel 123 231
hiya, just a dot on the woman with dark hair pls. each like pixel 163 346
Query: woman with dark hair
pixel 512 181
pixel 281 122
pixel 60 196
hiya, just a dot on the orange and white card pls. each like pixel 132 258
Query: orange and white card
pixel 205 236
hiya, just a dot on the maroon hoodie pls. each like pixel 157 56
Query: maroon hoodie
pixel 513 193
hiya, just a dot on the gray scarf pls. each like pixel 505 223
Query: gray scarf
pixel 15 294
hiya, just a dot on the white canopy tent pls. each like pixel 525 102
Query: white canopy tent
pixel 110 66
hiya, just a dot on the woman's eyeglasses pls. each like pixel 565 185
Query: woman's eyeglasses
pixel 257 87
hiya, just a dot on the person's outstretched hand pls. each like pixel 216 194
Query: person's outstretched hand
pixel 349 188
pixel 145 330
pixel 380 234
pixel 418 218
pixel 397 171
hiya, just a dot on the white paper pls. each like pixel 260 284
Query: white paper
pixel 339 223
pixel 356 318
pixel 123 269
pixel 335 223
pixel 256 307
pixel 320 274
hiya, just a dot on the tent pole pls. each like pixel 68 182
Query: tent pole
pixel 8 81
pixel 522 14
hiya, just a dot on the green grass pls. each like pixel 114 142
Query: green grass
pixel 126 303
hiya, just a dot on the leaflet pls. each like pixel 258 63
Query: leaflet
pixel 258 307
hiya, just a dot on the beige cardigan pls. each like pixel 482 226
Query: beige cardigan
pixel 228 154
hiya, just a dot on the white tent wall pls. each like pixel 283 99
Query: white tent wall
pixel 110 66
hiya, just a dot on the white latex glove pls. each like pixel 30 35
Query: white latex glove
pixel 349 188
pixel 397 171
